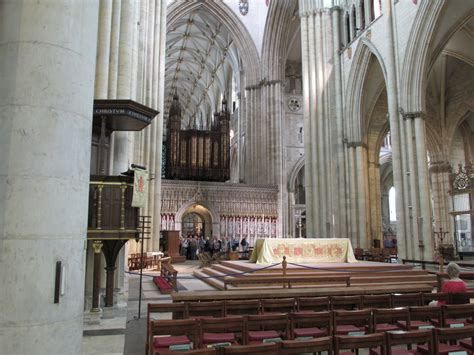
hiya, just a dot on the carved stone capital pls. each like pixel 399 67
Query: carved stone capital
pixel 412 115
pixel 438 167
pixel 97 245
pixel 356 144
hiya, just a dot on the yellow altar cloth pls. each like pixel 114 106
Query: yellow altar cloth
pixel 298 250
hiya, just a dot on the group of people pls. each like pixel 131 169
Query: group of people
pixel 192 244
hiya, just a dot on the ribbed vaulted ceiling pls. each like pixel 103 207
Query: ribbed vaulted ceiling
pixel 200 59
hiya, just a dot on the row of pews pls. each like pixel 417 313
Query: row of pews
pixel 246 276
pixel 307 330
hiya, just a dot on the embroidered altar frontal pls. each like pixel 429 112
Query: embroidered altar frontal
pixel 297 250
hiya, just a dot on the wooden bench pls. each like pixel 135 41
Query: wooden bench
pixel 286 281
pixel 167 281
pixel 296 292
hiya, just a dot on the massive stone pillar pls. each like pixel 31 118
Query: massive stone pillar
pixel 318 61
pixel 47 62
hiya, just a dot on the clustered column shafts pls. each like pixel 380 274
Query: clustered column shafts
pixel 340 211
pixel 130 65
pixel 307 124
pixel 394 119
pixel 318 83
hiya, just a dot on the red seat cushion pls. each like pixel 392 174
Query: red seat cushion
pixel 166 341
pixel 448 322
pixel 345 329
pixel 310 332
pixel 385 327
pixel 443 349
pixel 259 335
pixel 211 338
pixel 414 325
pixel 395 351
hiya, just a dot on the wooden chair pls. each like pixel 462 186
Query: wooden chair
pixel 310 324
pixel 456 315
pixel 386 319
pixel 167 311
pixel 353 323
pixel 190 352
pixel 376 301
pixel 167 333
pixel 386 255
pixel 221 330
pixel 315 304
pixel 452 335
pixel 406 299
pixel 241 307
pixel 281 305
pixel 459 298
pixel 371 341
pixel 345 302
pixel 422 317
pixel 427 297
pixel 375 255
pixel 260 349
pixel 319 345
pixel 359 253
pixel 205 309
pixel 262 327
pixel 409 338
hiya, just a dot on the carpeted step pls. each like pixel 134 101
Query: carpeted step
pixel 210 281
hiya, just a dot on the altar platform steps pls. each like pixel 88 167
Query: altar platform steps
pixel 367 274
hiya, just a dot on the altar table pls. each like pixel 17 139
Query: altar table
pixel 298 250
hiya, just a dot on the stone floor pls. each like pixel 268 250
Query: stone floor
pixel 125 332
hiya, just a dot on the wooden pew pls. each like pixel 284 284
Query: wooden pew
pixel 286 281
pixel 296 292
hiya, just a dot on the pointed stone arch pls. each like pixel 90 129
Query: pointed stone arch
pixel 421 51
pixel 294 173
pixel 357 78
pixel 275 39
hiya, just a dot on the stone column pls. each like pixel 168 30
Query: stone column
pixel 47 64
pixel 424 220
pixel 97 273
pixel 124 81
pixel 412 230
pixel 103 50
pixel 340 212
pixel 354 230
pixel 439 172
pixel 361 171
pixel 394 119
pixel 317 56
pixel 158 104
pixel 309 190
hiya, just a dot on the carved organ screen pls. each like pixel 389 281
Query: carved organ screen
pixel 197 154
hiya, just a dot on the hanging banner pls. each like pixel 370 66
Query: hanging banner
pixel 140 188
